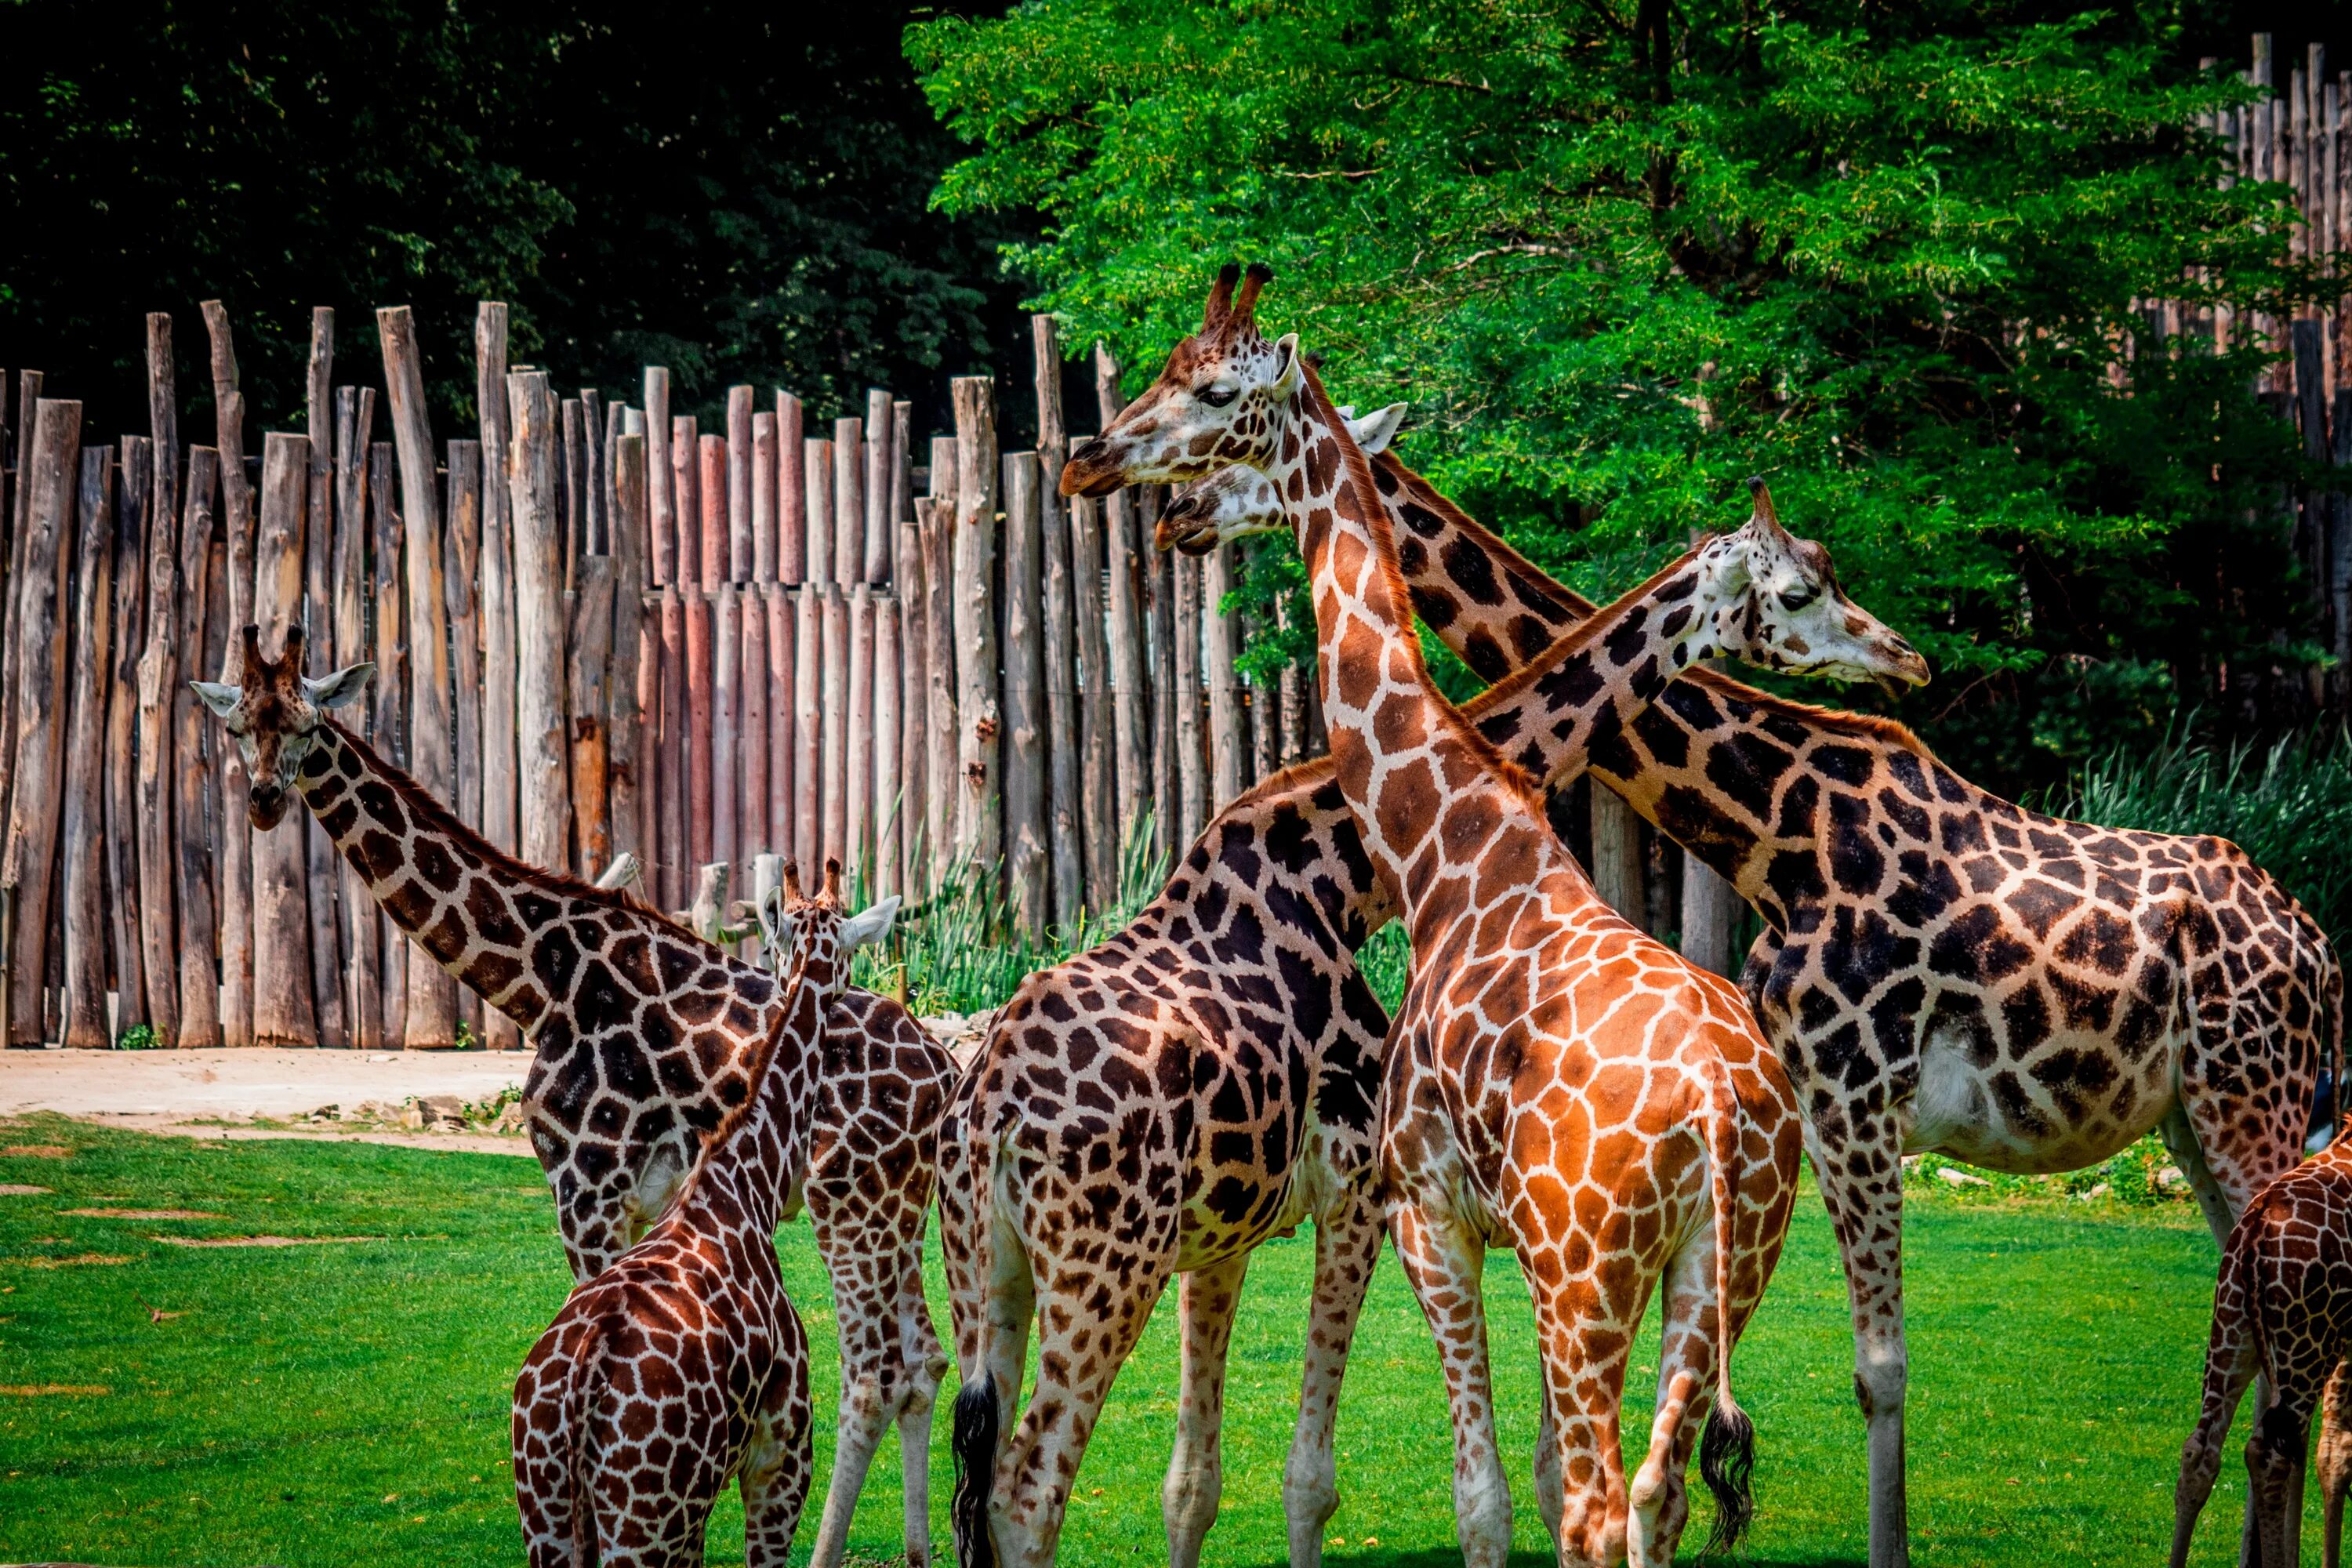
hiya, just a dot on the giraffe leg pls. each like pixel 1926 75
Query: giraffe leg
pixel 1658 1501
pixel 1584 1384
pixel 779 1459
pixel 2230 1365
pixel 1549 1501
pixel 1082 1342
pixel 866 1310
pixel 1206 1300
pixel 926 1365
pixel 1445 1266
pixel 1867 1215
pixel 2274 1470
pixel 2334 1464
pixel 1347 1247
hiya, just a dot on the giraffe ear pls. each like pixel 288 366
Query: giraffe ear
pixel 345 686
pixel 865 929
pixel 1288 370
pixel 222 700
pixel 1375 430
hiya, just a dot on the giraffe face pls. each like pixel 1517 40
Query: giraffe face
pixel 1217 401
pixel 1774 601
pixel 274 713
pixel 1234 503
pixel 791 924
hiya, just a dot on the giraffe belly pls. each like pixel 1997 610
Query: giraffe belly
pixel 2072 1102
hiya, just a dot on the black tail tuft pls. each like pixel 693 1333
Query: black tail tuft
pixel 2282 1429
pixel 1727 1459
pixel 973 1445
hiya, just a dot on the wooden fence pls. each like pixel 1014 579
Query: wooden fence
pixel 598 630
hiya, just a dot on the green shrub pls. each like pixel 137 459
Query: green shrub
pixel 138 1037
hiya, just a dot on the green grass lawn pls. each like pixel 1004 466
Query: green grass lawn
pixel 346 1403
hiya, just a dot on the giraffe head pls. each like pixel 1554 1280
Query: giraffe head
pixel 1773 599
pixel 1217 401
pixel 793 925
pixel 1236 501
pixel 274 711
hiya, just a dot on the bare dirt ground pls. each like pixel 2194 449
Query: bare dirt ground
pixel 258 1093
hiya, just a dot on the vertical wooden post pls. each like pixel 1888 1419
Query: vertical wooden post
pixel 978 831
pixel 1063 759
pixel 1228 722
pixel 698 578
pixel 741 549
pixel 158 676
pixel 500 809
pixel 935 524
pixel 792 492
pixel 1192 755
pixel 1130 680
pixel 1028 870
pixel 808 727
pixel 283 1008
pixel 727 731
pixel 573 489
pixel 759 717
pixel 600 423
pixel 1097 770
pixel 126 889
pixel 192 868
pixel 889 876
pixel 460 575
pixel 1617 854
pixel 1293 683
pixel 670 845
pixel 849 502
pixel 390 686
pixel 835 792
pixel 358 918
pixel 1266 719
pixel 914 697
pixel 84 1011
pixel 327 967
pixel 50 473
pixel 632 648
pixel 858 744
pixel 539 705
pixel 816 501
pixel 881 449
pixel 234 830
pixel 11 590
pixel 432 990
pixel 588 647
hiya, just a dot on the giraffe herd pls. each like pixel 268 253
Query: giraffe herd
pixel 1939 971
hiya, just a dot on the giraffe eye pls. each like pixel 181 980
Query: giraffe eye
pixel 1798 597
pixel 1219 396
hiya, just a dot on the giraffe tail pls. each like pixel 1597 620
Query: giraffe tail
pixel 1726 1448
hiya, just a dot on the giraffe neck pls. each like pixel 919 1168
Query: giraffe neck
pixel 499 926
pixel 739 1184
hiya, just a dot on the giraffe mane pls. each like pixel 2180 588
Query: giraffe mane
pixel 1869 727
pixel 429 812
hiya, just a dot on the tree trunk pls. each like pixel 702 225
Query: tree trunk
pixel 50 474
pixel 1027 867
pixel 85 758
pixel 539 706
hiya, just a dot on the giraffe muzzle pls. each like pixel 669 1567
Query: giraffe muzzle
pixel 1091 471
pixel 266 805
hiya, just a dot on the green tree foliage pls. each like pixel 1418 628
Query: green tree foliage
pixel 740 193
pixel 1619 256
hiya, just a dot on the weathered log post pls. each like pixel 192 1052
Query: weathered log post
pixel 1167 780
pixel 1065 761
pixel 51 475
pixel 1028 868
pixel 685 480
pixel 726 655
pixel 848 503
pixel 980 788
pixel 881 448
pixel 756 592
pixel 283 1005
pixel 741 550
pixel 808 725
pixel 501 807
pixel 588 646
pixel 858 744
pixel 887 876
pixel 234 829
pixel 460 579
pixel 914 687
pixel 789 553
pixel 1617 855
pixel 432 990
pixel 935 517
pixel 83 1015
pixel 835 717
pixel 1191 754
pixel 631 647
pixel 327 967
pixel 1228 719
pixel 192 861
pixel 1098 768
pixel 658 783
pixel 1130 681
pixel 126 889
pixel 360 934
pixel 390 686
pixel 158 675
pixel 539 705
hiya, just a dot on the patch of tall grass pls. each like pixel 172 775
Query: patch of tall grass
pixel 960 951
pixel 2288 805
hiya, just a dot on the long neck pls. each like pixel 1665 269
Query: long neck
pixel 509 930
pixel 1731 773
pixel 739 1186
pixel 1424 789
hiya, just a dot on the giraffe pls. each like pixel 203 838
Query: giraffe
pixel 1940 969
pixel 2283 1306
pixel 641 1036
pixel 683 1364
pixel 1556 1081
pixel 882 1090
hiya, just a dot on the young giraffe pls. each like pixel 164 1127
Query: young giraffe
pixel 1556 1081
pixel 882 1089
pixel 1940 969
pixel 683 1364
pixel 2281 1308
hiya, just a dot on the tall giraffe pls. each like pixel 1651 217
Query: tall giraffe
pixel 682 1365
pixel 1557 1081
pixel 1940 969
